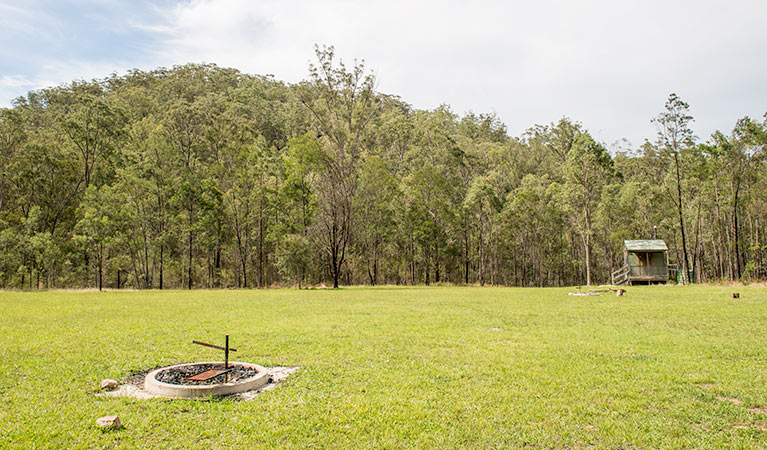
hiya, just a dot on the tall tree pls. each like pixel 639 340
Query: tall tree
pixel 674 134
pixel 588 168
pixel 93 126
pixel 342 104
pixel 375 207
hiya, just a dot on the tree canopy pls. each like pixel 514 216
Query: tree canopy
pixel 201 176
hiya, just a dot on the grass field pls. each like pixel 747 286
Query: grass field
pixel 444 367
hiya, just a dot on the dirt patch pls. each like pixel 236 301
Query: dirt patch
pixel 706 385
pixel 133 386
pixel 744 426
pixel 136 378
pixel 758 410
pixel 733 400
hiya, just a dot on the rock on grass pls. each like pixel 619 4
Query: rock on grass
pixel 109 422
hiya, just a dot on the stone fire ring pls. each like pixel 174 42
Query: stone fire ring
pixel 154 386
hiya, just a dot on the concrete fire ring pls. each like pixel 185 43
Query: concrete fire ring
pixel 154 386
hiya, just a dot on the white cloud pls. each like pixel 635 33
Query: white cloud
pixel 52 74
pixel 12 86
pixel 608 64
pixel 14 81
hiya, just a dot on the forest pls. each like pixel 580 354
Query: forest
pixel 205 177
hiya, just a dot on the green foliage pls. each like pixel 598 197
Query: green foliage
pixel 194 176
pixel 294 258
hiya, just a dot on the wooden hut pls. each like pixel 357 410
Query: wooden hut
pixel 644 262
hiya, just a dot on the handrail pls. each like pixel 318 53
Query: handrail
pixel 621 275
pixel 625 268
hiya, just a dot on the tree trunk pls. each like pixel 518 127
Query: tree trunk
pixel 101 265
pixel 217 260
pixel 685 261
pixel 189 268
pixel 465 251
pixel 736 230
pixel 261 268
pixel 334 266
pixel 161 264
pixel 481 262
pixel 587 243
pixel 147 279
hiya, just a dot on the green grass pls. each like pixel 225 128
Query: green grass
pixel 396 368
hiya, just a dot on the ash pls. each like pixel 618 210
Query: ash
pixel 179 375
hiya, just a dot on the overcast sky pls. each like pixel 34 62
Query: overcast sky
pixel 607 64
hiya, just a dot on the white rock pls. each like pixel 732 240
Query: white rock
pixel 108 384
pixel 109 422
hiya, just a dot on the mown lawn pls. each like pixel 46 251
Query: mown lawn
pixel 662 367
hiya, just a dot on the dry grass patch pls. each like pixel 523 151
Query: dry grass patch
pixel 733 400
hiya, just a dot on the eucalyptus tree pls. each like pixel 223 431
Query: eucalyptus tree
pixel 12 138
pixel 374 206
pixel 556 138
pixel 185 129
pixel 674 135
pixel 294 258
pixel 533 232
pixel 94 127
pixel 238 201
pixel 587 169
pixel 342 104
pixel 250 195
pixel 154 170
pixel 748 152
pixel 103 225
pixel 392 134
pixel 733 161
pixel 481 202
pixel 47 183
pixel 486 170
pixel 141 237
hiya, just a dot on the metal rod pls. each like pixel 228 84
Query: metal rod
pixel 213 346
pixel 226 353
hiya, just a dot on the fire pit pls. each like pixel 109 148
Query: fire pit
pixel 206 379
pixel 178 381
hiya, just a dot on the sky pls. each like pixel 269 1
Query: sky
pixel 609 65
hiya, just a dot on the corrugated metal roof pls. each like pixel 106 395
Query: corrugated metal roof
pixel 646 245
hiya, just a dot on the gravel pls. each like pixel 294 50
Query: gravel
pixel 179 375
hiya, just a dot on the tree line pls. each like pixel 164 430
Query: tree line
pixel 204 177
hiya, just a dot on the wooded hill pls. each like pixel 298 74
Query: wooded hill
pixel 200 176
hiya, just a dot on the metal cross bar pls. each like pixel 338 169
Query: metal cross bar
pixel 226 349
pixel 217 347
